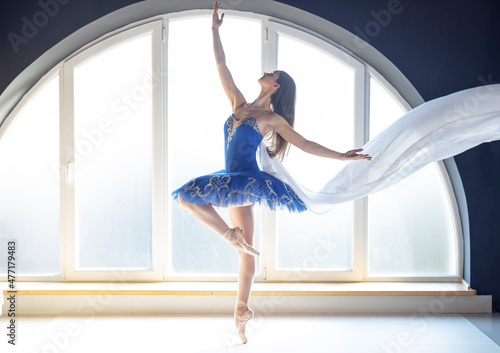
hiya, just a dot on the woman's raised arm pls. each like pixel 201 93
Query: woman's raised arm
pixel 232 92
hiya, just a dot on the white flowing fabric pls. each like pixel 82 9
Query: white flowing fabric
pixel 435 130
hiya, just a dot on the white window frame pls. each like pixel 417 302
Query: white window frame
pixel 68 247
pixel 269 234
pixel 4 129
pixel 450 194
pixel 161 235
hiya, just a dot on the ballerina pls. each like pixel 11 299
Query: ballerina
pixel 242 183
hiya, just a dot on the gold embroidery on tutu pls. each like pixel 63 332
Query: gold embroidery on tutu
pixel 219 183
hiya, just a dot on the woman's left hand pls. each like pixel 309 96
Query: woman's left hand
pixel 353 154
pixel 216 22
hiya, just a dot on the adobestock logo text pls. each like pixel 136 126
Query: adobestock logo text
pixel 31 26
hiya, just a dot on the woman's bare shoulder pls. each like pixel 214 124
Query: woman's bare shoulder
pixel 270 118
pixel 268 121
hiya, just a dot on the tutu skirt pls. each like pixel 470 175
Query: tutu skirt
pixel 224 189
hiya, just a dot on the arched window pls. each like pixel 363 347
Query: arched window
pixel 141 112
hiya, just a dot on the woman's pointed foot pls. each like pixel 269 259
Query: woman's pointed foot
pixel 234 236
pixel 242 314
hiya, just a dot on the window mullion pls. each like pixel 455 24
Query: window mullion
pixel 67 163
pixel 360 215
pixel 158 211
pixel 268 219
pixel 363 203
pixel 166 215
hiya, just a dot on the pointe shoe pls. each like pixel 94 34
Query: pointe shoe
pixel 243 319
pixel 234 236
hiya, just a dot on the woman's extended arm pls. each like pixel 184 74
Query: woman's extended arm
pixel 282 127
pixel 232 92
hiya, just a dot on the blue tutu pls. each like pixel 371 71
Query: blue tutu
pixel 241 182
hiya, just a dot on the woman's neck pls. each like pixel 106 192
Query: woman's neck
pixel 263 101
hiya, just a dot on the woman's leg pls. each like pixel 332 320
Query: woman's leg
pixel 207 215
pixel 243 217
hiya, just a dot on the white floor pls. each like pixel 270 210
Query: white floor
pixel 216 333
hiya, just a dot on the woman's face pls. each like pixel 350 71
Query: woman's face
pixel 269 79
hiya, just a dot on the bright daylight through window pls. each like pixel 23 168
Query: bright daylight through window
pixel 136 134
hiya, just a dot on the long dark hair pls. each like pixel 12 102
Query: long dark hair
pixel 283 104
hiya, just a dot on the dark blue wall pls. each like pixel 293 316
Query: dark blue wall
pixel 441 46
pixel 65 17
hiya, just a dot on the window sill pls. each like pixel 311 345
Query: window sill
pixel 229 289
pixel 179 298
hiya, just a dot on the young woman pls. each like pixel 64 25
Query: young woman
pixel 242 183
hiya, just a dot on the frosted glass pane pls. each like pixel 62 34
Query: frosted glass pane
pixel 29 186
pixel 384 109
pixel 197 111
pixel 324 114
pixel 113 137
pixel 310 242
pixel 410 228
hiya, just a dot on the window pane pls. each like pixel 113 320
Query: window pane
pixel 310 242
pixel 197 111
pixel 325 114
pixel 410 229
pixel 384 109
pixel 29 185
pixel 113 138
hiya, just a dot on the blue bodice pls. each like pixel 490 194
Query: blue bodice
pixel 242 137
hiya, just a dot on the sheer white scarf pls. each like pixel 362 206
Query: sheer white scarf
pixel 435 130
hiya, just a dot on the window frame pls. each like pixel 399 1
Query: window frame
pixel 274 29
pixel 451 198
pixel 68 225
pixel 8 122
pixel 161 231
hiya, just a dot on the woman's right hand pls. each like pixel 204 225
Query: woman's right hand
pixel 216 22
